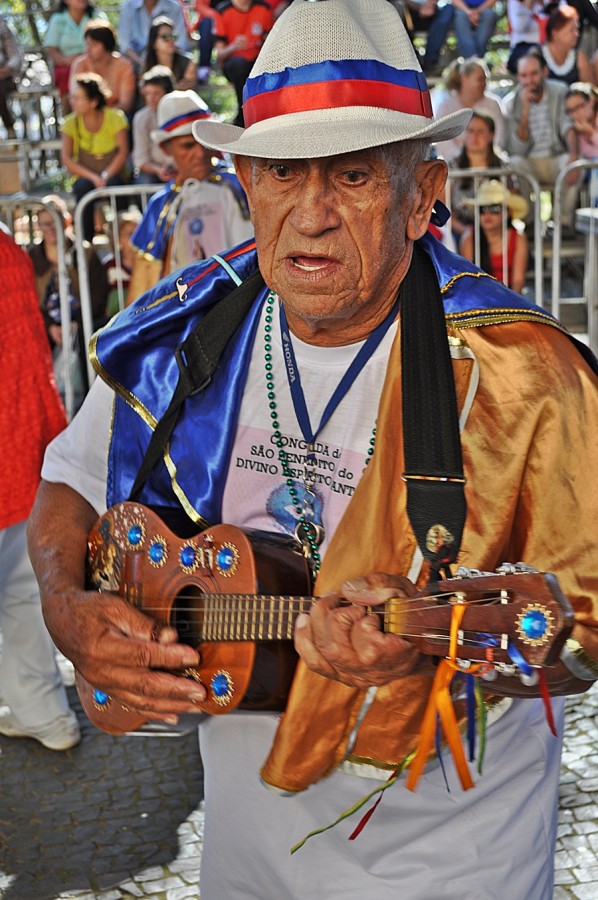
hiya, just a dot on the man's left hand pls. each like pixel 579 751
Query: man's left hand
pixel 345 643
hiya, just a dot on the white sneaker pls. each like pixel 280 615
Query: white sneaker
pixel 61 733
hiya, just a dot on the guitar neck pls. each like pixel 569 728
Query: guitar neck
pixel 248 617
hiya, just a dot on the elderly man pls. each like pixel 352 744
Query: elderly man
pixel 304 387
pixel 201 211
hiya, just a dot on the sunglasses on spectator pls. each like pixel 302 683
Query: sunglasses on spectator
pixel 168 36
pixel 495 209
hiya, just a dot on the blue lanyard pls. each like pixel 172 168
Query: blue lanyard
pixel 365 353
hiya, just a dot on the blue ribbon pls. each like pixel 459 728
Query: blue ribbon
pixel 471 715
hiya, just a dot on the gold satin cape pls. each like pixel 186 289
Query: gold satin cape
pixel 530 455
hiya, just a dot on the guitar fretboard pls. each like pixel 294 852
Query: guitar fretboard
pixel 248 617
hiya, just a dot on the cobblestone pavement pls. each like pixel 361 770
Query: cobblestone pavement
pixel 122 817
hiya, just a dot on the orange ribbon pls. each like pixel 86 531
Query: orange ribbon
pixel 440 704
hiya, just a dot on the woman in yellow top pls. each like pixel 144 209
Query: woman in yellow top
pixel 95 144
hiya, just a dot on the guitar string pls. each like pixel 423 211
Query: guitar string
pixel 296 605
pixel 227 601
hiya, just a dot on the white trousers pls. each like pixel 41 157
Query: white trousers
pixel 491 842
pixel 30 681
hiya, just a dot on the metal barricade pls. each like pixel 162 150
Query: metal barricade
pixel 503 175
pixel 15 207
pixel 109 197
pixel 586 223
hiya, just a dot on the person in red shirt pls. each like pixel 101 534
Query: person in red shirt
pixel 36 704
pixel 240 28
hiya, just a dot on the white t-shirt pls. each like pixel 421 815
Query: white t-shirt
pixel 256 494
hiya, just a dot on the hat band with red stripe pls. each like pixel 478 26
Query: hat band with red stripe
pixel 333 84
pixel 184 119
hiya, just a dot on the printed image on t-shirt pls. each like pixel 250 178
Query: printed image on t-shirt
pixel 263 496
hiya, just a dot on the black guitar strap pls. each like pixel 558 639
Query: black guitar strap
pixel 436 503
pixel 198 357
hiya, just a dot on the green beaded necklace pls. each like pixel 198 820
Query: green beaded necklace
pixel 308 533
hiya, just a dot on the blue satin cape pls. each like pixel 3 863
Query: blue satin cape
pixel 134 354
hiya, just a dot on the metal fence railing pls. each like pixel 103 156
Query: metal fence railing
pixel 586 224
pixel 110 199
pixel 18 212
pixel 505 176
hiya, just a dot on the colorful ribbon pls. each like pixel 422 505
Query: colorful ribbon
pixel 440 704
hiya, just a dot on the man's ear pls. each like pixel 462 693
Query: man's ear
pixel 431 179
pixel 165 148
pixel 243 166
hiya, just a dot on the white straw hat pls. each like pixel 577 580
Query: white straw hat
pixel 333 76
pixel 176 113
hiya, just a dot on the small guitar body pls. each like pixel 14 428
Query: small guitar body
pixel 234 595
pixel 195 585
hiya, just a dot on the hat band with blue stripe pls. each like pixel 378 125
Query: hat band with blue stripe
pixel 333 84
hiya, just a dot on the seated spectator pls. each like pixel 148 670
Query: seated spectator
pixel 136 17
pixel 240 28
pixel 44 256
pixel 469 82
pixel 162 51
pixel 101 58
pixel 119 263
pixel 564 60
pixel 581 105
pixel 10 67
pixel 527 28
pixel 541 138
pixel 151 164
pixel 436 20
pixel 95 147
pixel 475 21
pixel 203 26
pixel 201 212
pixel 503 250
pixel 478 152
pixel 65 41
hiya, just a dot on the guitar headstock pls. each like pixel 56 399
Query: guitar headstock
pixel 514 607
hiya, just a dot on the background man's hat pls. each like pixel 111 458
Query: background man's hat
pixel 495 193
pixel 176 114
pixel 333 76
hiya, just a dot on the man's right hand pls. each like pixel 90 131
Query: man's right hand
pixel 124 652
pixel 115 647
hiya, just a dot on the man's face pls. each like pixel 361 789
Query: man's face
pixel 191 159
pixel 334 236
pixel 530 75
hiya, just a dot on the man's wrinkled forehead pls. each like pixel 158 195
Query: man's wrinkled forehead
pixel 388 154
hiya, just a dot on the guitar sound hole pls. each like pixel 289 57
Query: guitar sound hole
pixel 186 615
